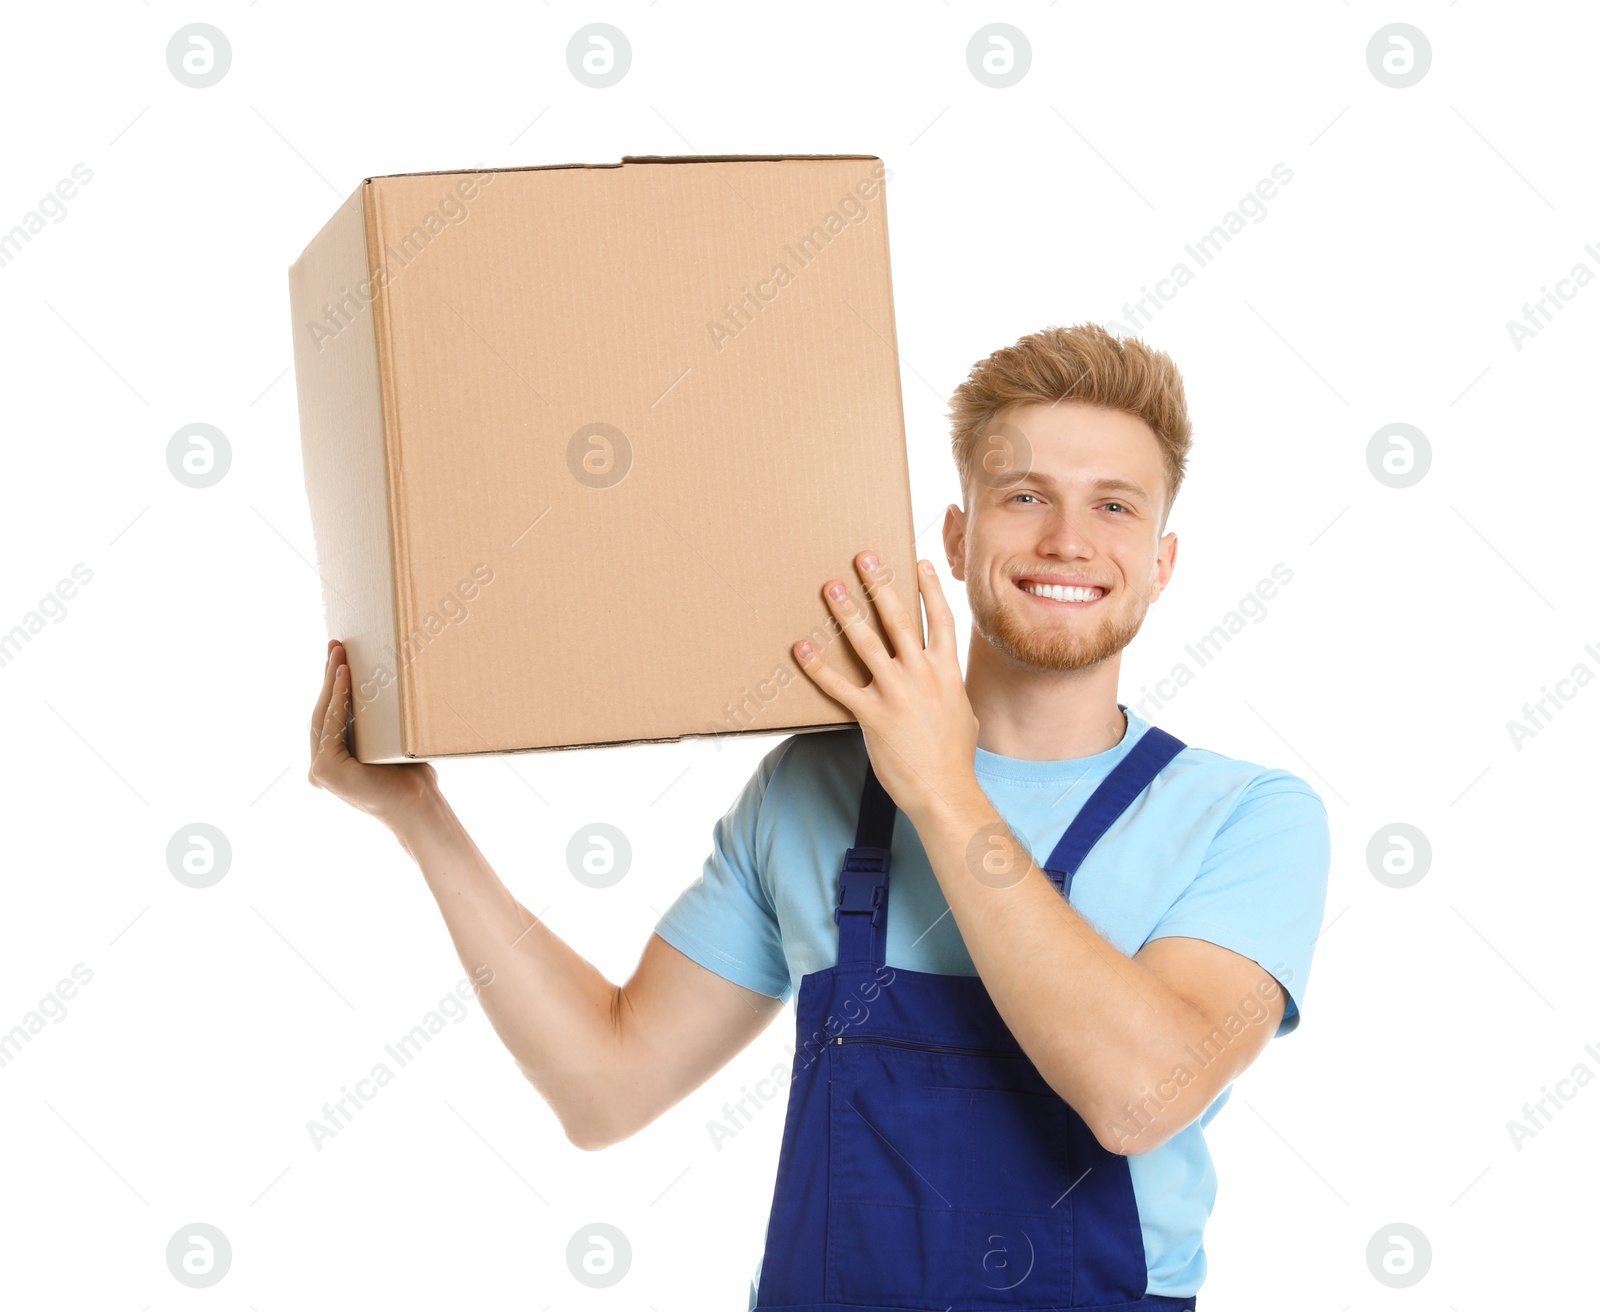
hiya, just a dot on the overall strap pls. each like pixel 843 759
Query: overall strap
pixel 862 913
pixel 1114 795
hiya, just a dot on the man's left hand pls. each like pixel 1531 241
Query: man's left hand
pixel 918 725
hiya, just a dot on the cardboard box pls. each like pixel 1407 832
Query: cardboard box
pixel 583 442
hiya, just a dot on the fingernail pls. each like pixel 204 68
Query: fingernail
pixel 869 561
pixel 835 591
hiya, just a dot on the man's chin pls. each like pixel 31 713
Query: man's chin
pixel 1041 647
pixel 1049 655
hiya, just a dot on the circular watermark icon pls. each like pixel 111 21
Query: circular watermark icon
pixel 599 455
pixel 598 1255
pixel 998 55
pixel 199 455
pixel 995 857
pixel 598 55
pixel 1399 455
pixel 1399 855
pixel 199 55
pixel 599 855
pixel 1399 1255
pixel 199 855
pixel 1001 457
pixel 1004 1263
pixel 1399 55
pixel 198 1255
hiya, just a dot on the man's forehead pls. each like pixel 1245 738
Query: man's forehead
pixel 1125 448
pixel 1072 416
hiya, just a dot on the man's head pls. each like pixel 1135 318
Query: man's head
pixel 1071 446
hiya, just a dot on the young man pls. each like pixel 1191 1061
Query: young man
pixel 1002 1071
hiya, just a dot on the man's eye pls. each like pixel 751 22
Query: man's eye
pixel 1116 503
pixel 1022 494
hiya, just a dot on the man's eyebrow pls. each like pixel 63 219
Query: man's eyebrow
pixel 1099 485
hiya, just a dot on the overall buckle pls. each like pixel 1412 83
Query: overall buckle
pixel 857 895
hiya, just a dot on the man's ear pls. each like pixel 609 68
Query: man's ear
pixel 955 541
pixel 1166 559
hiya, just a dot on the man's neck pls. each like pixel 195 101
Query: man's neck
pixel 1042 715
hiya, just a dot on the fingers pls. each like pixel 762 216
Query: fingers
pixel 331 746
pixel 827 678
pixel 941 623
pixel 903 627
pixel 332 705
pixel 321 708
pixel 853 624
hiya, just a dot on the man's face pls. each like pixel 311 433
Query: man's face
pixel 1076 500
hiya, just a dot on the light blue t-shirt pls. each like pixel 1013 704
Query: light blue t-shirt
pixel 1215 848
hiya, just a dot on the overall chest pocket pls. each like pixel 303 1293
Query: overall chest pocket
pixel 948 1171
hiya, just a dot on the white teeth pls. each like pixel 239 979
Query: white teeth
pixel 1056 592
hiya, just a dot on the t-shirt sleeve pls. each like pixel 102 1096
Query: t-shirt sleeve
pixel 725 919
pixel 1263 884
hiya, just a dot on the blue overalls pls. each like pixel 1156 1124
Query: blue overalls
pixel 926 1164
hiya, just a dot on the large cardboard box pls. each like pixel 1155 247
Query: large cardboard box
pixel 583 442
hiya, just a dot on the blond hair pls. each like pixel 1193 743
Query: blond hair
pixel 1082 363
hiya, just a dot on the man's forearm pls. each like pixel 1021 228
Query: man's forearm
pixel 1092 1020
pixel 553 1010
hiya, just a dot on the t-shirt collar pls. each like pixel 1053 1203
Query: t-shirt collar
pixel 992 765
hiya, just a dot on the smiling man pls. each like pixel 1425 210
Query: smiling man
pixel 1006 1057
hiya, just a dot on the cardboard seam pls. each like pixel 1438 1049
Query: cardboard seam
pixel 626 159
pixel 788 731
pixel 899 397
pixel 399 548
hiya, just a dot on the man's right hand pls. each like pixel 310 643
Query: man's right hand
pixel 385 791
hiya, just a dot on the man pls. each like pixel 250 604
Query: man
pixel 1006 1053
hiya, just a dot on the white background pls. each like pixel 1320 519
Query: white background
pixel 176 688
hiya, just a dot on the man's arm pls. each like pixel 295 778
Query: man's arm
pixel 1106 1031
pixel 608 1059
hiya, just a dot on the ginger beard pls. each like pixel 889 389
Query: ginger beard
pixel 1045 642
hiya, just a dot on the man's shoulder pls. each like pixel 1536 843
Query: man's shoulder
pixel 825 746
pixel 803 764
pixel 1203 775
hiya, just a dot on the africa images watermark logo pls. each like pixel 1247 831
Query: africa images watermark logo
pixel 453 209
pixel 740 1112
pixel 850 210
pixel 338 1113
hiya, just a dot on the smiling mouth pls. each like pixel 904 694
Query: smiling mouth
pixel 1057 594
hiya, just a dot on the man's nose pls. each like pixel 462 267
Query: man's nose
pixel 1064 536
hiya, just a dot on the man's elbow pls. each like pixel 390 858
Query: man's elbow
pixel 1130 1144
pixel 1131 1130
pixel 588 1138
pixel 592 1133
pixel 583 1124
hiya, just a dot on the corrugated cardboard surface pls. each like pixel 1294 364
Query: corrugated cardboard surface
pixel 731 318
